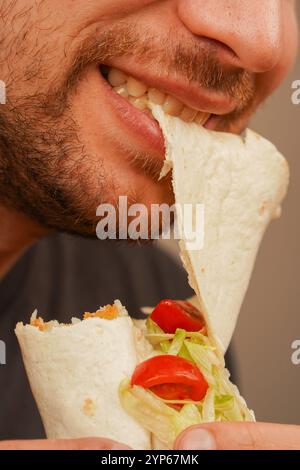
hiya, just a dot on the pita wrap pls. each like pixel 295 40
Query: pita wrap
pixel 241 181
pixel 81 374
pixel 75 372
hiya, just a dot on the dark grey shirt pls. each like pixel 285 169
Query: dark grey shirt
pixel 64 276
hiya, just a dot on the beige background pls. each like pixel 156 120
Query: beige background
pixel 270 317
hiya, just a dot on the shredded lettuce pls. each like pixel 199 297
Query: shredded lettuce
pixel 152 327
pixel 189 415
pixel 208 407
pixel 177 342
pixel 157 417
pixel 224 403
pixel 165 419
pixel 165 346
pixel 204 358
pixel 184 353
pixel 157 337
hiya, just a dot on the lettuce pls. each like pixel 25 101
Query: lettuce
pixel 177 342
pixel 152 327
pixel 166 419
pixel 154 415
pixel 164 422
pixel 189 415
pixel 208 407
pixel 204 358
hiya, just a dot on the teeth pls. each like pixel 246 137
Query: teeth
pixel 202 118
pixel 139 96
pixel 136 88
pixel 122 91
pixel 139 103
pixel 188 114
pixel 116 77
pixel 172 106
pixel 156 96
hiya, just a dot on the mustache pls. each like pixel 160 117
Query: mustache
pixel 183 56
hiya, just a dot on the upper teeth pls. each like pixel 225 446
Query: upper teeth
pixel 139 95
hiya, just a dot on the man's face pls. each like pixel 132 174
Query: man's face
pixel 70 140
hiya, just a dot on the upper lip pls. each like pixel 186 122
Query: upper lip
pixel 190 94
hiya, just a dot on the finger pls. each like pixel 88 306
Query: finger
pixel 243 436
pixel 64 444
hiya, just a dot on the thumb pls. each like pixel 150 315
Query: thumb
pixel 239 436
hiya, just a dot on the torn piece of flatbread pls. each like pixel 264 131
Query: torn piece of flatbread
pixel 75 372
pixel 241 182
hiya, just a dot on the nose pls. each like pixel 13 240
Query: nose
pixel 251 29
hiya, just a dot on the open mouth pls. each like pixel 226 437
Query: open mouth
pixel 141 96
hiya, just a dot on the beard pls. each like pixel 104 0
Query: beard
pixel 44 165
pixel 38 176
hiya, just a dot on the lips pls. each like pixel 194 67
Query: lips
pixel 140 96
pixel 131 99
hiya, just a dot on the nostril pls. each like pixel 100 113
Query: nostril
pixel 223 51
pixel 243 34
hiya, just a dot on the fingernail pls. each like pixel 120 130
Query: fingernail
pixel 196 439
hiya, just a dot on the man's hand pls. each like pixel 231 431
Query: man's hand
pixel 239 436
pixel 91 443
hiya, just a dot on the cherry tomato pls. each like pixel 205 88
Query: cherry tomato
pixel 172 314
pixel 171 378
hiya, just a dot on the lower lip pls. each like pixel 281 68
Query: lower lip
pixel 144 129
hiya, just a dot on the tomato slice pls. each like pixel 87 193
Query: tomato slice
pixel 172 314
pixel 171 378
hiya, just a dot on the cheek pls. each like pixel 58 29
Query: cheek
pixel 39 38
pixel 95 9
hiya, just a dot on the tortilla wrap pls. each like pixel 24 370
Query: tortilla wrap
pixel 75 372
pixel 241 182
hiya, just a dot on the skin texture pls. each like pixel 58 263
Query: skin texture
pixel 240 436
pixel 64 149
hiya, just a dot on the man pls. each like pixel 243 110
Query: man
pixel 70 141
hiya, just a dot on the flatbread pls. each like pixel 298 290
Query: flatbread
pixel 241 182
pixel 75 372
